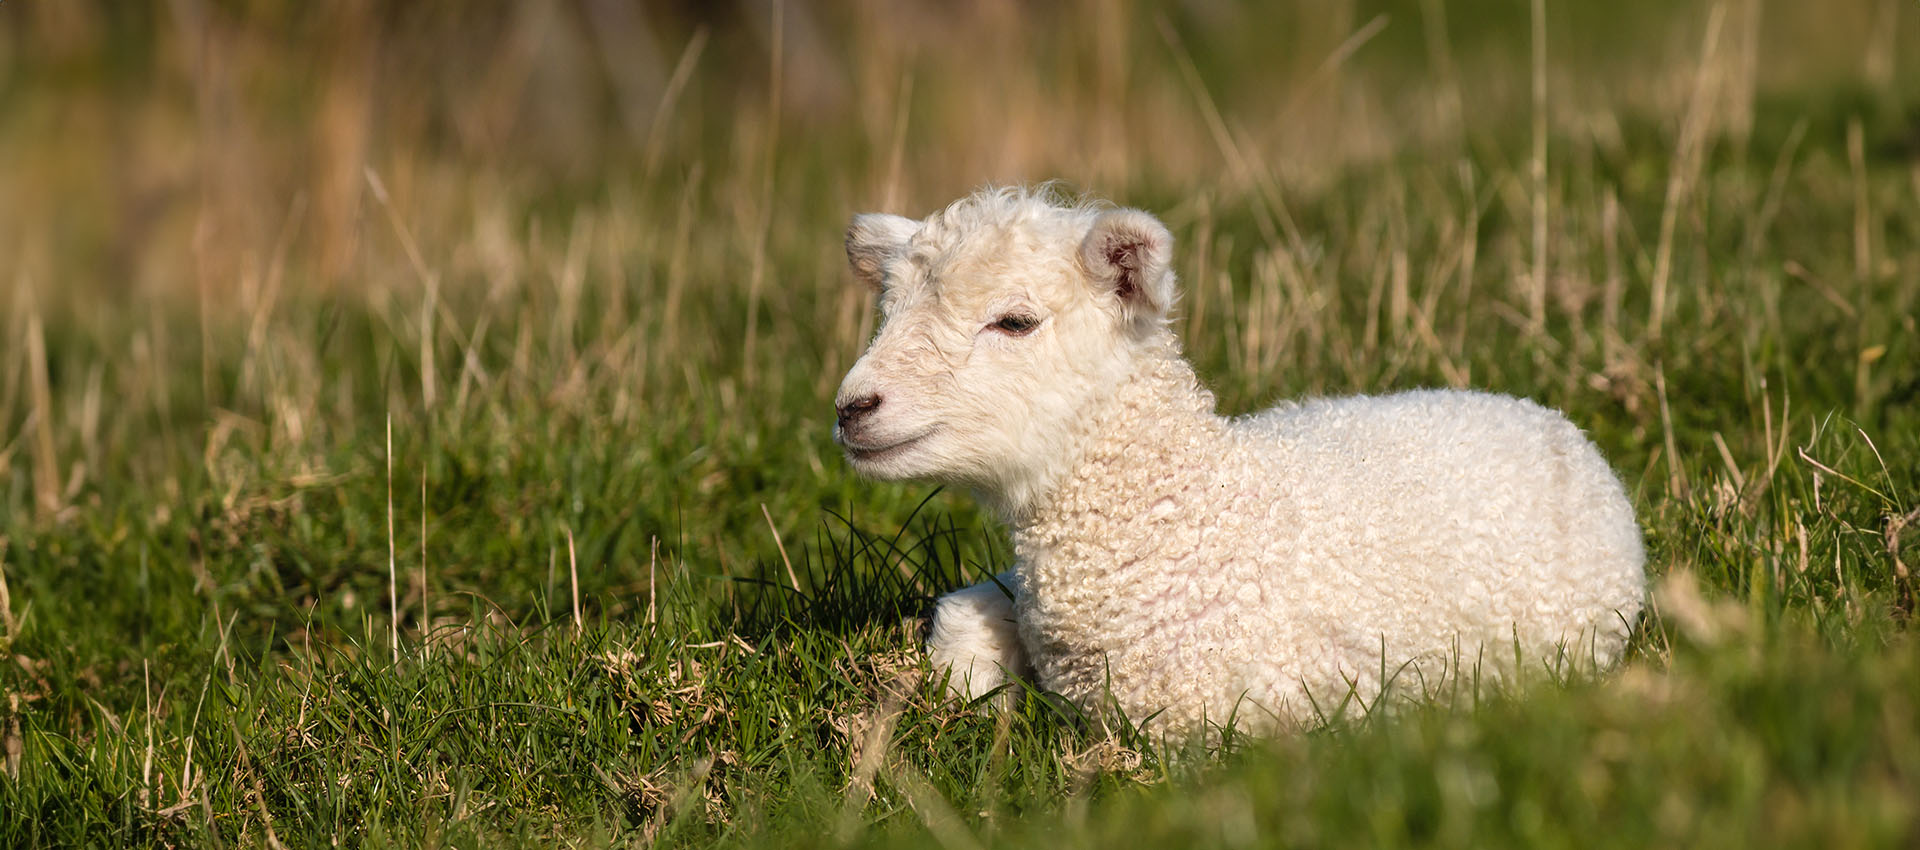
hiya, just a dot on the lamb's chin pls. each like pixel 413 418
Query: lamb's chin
pixel 901 461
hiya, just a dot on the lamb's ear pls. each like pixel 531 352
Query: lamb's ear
pixel 872 240
pixel 1129 253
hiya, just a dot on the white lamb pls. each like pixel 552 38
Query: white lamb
pixel 1187 568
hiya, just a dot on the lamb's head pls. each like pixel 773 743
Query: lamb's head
pixel 1006 318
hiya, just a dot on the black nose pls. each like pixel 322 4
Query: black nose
pixel 860 408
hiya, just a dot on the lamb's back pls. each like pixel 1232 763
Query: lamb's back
pixel 1440 522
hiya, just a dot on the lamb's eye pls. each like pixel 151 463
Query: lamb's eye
pixel 1016 324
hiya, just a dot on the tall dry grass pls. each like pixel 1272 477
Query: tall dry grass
pixel 262 226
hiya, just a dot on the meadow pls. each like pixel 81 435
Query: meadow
pixel 415 419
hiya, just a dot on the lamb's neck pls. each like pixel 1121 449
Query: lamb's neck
pixel 1159 418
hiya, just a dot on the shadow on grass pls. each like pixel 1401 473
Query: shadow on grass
pixel 852 578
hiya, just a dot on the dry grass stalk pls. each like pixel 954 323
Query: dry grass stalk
pixel 11 744
pixel 426 591
pixel 8 627
pixel 393 564
pixel 756 280
pixel 573 581
pixel 1537 176
pixel 784 560
pixel 1688 158
pixel 46 465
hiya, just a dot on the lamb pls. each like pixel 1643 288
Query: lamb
pixel 1191 570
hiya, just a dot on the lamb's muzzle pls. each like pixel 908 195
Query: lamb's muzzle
pixel 852 413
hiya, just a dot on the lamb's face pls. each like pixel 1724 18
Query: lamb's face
pixel 1004 319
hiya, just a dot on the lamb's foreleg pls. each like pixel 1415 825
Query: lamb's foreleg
pixel 974 639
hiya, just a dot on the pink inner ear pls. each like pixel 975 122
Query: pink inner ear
pixel 1121 255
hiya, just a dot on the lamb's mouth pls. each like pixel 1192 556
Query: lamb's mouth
pixel 871 454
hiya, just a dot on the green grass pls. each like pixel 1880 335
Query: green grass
pixel 299 305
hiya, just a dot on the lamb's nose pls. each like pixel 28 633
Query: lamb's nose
pixel 857 409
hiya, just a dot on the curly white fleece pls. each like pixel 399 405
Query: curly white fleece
pixel 1278 565
pixel 1270 569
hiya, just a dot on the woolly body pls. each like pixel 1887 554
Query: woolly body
pixel 1190 568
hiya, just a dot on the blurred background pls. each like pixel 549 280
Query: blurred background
pixel 162 148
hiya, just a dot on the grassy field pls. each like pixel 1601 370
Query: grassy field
pixel 415 426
